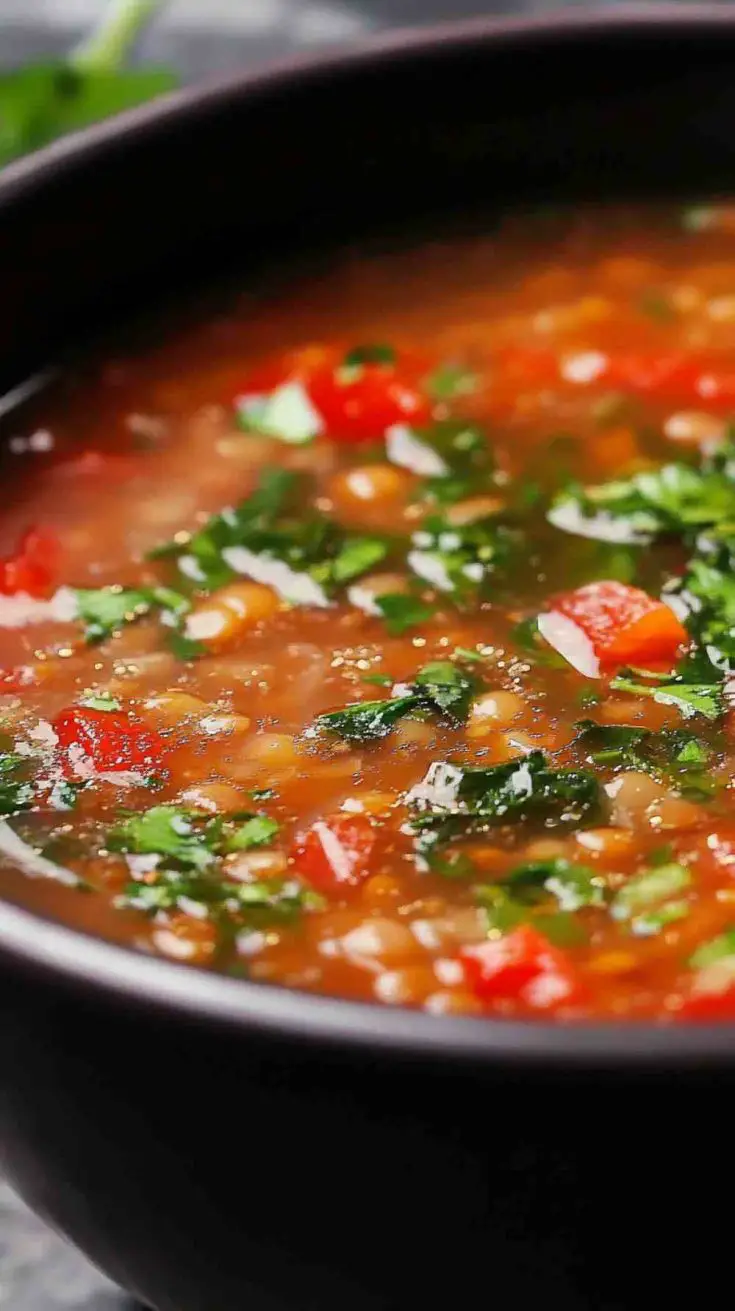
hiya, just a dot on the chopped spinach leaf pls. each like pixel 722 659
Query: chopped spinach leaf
pixel 378 680
pixel 16 790
pixel 366 720
pixel 440 687
pixel 456 800
pixel 676 756
pixel 445 688
pixel 572 885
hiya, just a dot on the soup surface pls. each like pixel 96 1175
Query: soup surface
pixel 377 638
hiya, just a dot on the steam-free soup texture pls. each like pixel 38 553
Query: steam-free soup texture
pixel 377 637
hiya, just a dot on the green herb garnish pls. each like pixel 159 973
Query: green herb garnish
pixel 455 800
pixel 44 101
pixel 16 790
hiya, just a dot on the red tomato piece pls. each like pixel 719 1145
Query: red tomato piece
pixel 108 740
pixel 623 624
pixel 356 402
pixel 33 568
pixel 334 854
pixel 708 1007
pixel 522 966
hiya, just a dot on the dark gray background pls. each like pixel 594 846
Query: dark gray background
pixel 38 1272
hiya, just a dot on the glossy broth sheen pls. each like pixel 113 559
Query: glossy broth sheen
pixel 443 485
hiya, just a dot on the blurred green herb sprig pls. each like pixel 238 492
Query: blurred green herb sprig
pixel 43 101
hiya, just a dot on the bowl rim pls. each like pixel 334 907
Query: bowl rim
pixel 52 950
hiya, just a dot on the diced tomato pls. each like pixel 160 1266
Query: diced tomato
pixel 334 854
pixel 523 966
pixel 708 1007
pixel 623 624
pixel 677 378
pixel 106 740
pixel 356 402
pixel 33 568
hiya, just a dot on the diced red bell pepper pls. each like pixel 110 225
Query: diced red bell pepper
pixel 623 624
pixel 33 568
pixel 355 402
pixel 708 1007
pixel 106 740
pixel 674 377
pixel 334 854
pixel 522 966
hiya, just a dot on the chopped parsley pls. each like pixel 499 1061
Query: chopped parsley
pixel 459 559
pixel 185 838
pixel 104 610
pixel 674 499
pixel 401 611
pixel 192 867
pixel 466 456
pixel 690 698
pixel 306 556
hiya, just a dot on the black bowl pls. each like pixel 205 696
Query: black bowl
pixel 213 1144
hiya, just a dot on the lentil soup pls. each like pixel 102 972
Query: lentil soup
pixel 377 637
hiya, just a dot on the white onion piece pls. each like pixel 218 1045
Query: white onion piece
pixel 404 448
pixel 291 584
pixel 429 566
pixel 601 527
pixel 19 610
pixel 30 861
pixel 287 414
pixel 567 638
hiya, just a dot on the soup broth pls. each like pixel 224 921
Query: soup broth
pixel 376 637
